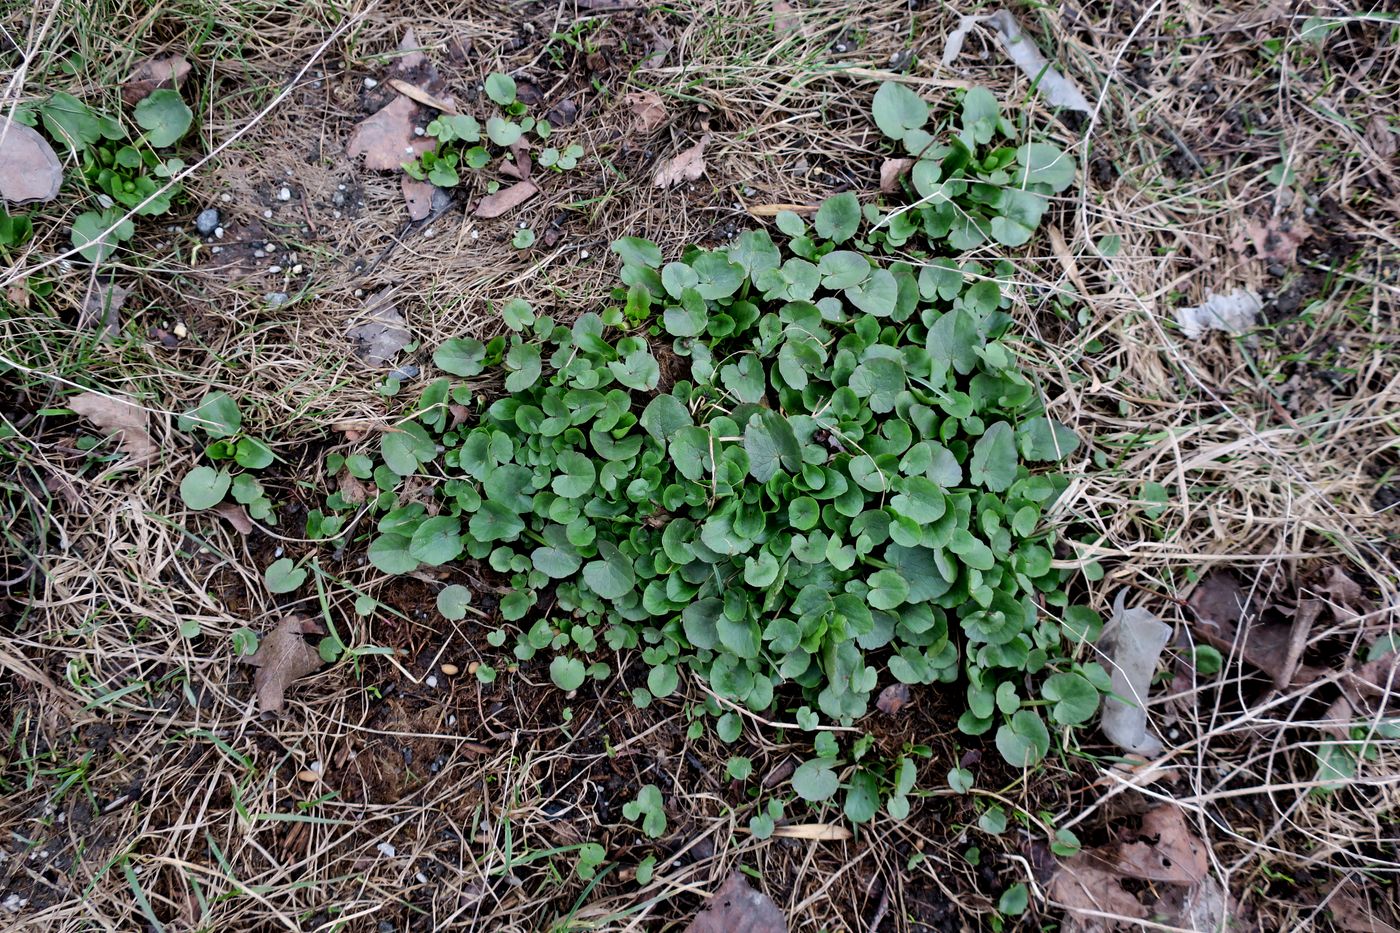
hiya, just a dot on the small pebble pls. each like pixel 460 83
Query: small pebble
pixel 431 681
pixel 308 776
pixel 452 720
pixel 277 552
pixel 418 131
pixel 219 233
pixel 472 667
pixel 336 214
pixel 274 269
pixel 207 221
pixel 285 194
pixel 296 269
pixel 276 299
pixel 267 213
pixel 216 249
pixel 428 234
pixel 259 254
pixel 370 83
pixel 474 234
pixel 583 254
pixel 422 878
pixel 449 669
pixel 387 850
pixel 359 293
pixel 339 187
pixel 226 198
pixel 180 330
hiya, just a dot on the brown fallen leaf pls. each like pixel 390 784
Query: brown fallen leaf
pixel 352 489
pixel 494 205
pixel 738 908
pixel 648 110
pixel 386 139
pixel 786 19
pixel 891 170
pixel 1352 914
pixel 1278 238
pixel 687 165
pixel 1221 607
pixel 1177 856
pixel 152 75
pixel 1381 136
pixel 382 331
pixel 116 415
pixel 893 699
pixel 29 168
pixel 418 196
pixel 820 832
pixel 283 657
pixel 1084 888
pixel 236 516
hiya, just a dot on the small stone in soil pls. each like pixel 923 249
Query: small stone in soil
pixel 431 681
pixel 387 850
pixel 226 198
pixel 308 776
pixel 370 82
pixel 219 233
pixel 296 270
pixel 267 213
pixel 284 195
pixel 180 330
pixel 207 221
pixel 403 374
pixel 275 299
pixel 449 669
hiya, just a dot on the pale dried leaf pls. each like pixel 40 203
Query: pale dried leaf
pixel 102 308
pixel 29 168
pixel 1278 238
pixel 352 489
pixel 648 110
pixel 687 165
pixel 152 75
pixel 891 170
pixel 1132 641
pixel 445 104
pixel 773 210
pixel 236 516
pixel 893 698
pixel 283 657
pixel 115 415
pixel 494 205
pixel 386 139
pixel 1234 314
pixel 786 19
pixel 1022 50
pixel 418 196
pixel 1084 888
pixel 738 908
pixel 412 54
pixel 381 332
pixel 1381 136
pixel 821 832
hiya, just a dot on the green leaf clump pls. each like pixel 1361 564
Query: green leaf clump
pixel 789 467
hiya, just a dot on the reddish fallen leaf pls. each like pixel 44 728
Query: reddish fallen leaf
pixel 283 657
pixel 118 416
pixel 29 168
pixel 418 196
pixel 386 139
pixel 507 199
pixel 152 75
pixel 687 165
pixel 891 170
pixel 648 110
pixel 236 516
pixel 893 698
pixel 738 908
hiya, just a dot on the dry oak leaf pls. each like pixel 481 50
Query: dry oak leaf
pixel 29 168
pixel 283 657
pixel 1178 856
pixel 648 109
pixel 893 699
pixel 386 139
pixel 688 165
pixel 494 205
pixel 738 908
pixel 235 515
pixel 118 416
pixel 152 75
pixel 418 196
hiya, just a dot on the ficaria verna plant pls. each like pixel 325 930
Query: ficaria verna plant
pixel 842 483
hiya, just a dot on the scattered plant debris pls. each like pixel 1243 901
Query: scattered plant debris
pixel 121 417
pixel 1233 314
pixel 29 168
pixel 283 657
pixel 687 165
pixel 1132 641
pixel 1022 50
pixel 737 908
pixel 382 332
pixel 154 74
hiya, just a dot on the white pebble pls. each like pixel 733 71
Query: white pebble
pixel 259 254
pixel 269 248
pixel 289 173
pixel 277 552
pixel 418 131
pixel 336 214
pixel 180 330
pixel 431 681
pixel 474 234
pixel 583 254
pixel 284 195
pixel 422 878
pixel 359 293
pixel 452 720
pixel 274 268
pixel 219 233
pixel 408 150
pixel 226 198
pixel 317 766
pixel 521 225
pixel 340 187
pixel 216 249
pixel 370 82
pixel 429 232
pixel 386 850
pixel 268 212
pixel 296 269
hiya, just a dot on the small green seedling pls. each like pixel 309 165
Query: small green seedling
pixel 650 807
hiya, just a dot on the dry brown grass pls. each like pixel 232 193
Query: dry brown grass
pixel 139 779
